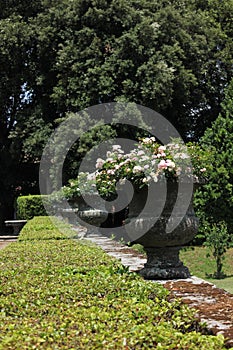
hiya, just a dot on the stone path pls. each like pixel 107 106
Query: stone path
pixel 214 306
pixel 5 240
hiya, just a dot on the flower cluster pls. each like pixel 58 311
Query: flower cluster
pixel 148 162
pixel 84 183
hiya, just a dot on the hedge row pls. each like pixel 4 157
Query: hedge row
pixel 33 205
pixel 30 206
pixel 67 294
pixel 41 228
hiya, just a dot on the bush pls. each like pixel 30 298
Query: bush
pixel 217 239
pixel 30 206
pixel 42 228
pixel 66 294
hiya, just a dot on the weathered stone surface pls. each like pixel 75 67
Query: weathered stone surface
pixel 162 245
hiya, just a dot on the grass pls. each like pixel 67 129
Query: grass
pixel 201 266
pixel 58 293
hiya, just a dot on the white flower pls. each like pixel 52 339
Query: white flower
pixel 144 158
pixel 178 171
pixel 137 169
pixel 99 163
pixel 122 181
pixel 91 176
pixel 141 153
pixel 170 164
pixel 116 147
pixel 181 155
pixel 161 149
pixel 146 140
pixel 155 178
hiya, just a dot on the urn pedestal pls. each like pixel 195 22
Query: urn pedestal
pixel 151 230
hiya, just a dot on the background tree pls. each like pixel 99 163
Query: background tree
pixel 215 200
pixel 63 56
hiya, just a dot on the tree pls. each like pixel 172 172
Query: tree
pixel 63 56
pixel 215 201
pixel 157 54
pixel 217 240
pixel 13 78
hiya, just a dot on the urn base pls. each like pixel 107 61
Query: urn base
pixel 164 264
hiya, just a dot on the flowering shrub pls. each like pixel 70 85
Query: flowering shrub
pixel 148 162
pixel 85 183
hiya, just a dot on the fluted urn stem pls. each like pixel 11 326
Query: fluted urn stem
pixel 164 263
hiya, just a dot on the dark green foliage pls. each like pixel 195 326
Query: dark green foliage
pixel 214 201
pixel 66 294
pixel 63 56
pixel 30 206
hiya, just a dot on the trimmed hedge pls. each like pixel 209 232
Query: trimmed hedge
pixel 66 294
pixel 43 229
pixel 30 206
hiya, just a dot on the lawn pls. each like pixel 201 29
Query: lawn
pixel 202 266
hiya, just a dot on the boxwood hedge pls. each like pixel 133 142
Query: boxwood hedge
pixel 68 294
pixel 30 206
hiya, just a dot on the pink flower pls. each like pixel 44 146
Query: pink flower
pixel 162 164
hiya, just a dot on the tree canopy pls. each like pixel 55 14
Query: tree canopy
pixel 215 200
pixel 62 56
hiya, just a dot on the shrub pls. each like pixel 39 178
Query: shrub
pixel 217 239
pixel 42 228
pixel 66 294
pixel 30 206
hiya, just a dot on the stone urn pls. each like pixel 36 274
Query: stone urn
pixel 151 230
pixel 87 209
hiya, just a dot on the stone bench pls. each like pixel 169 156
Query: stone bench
pixel 16 224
